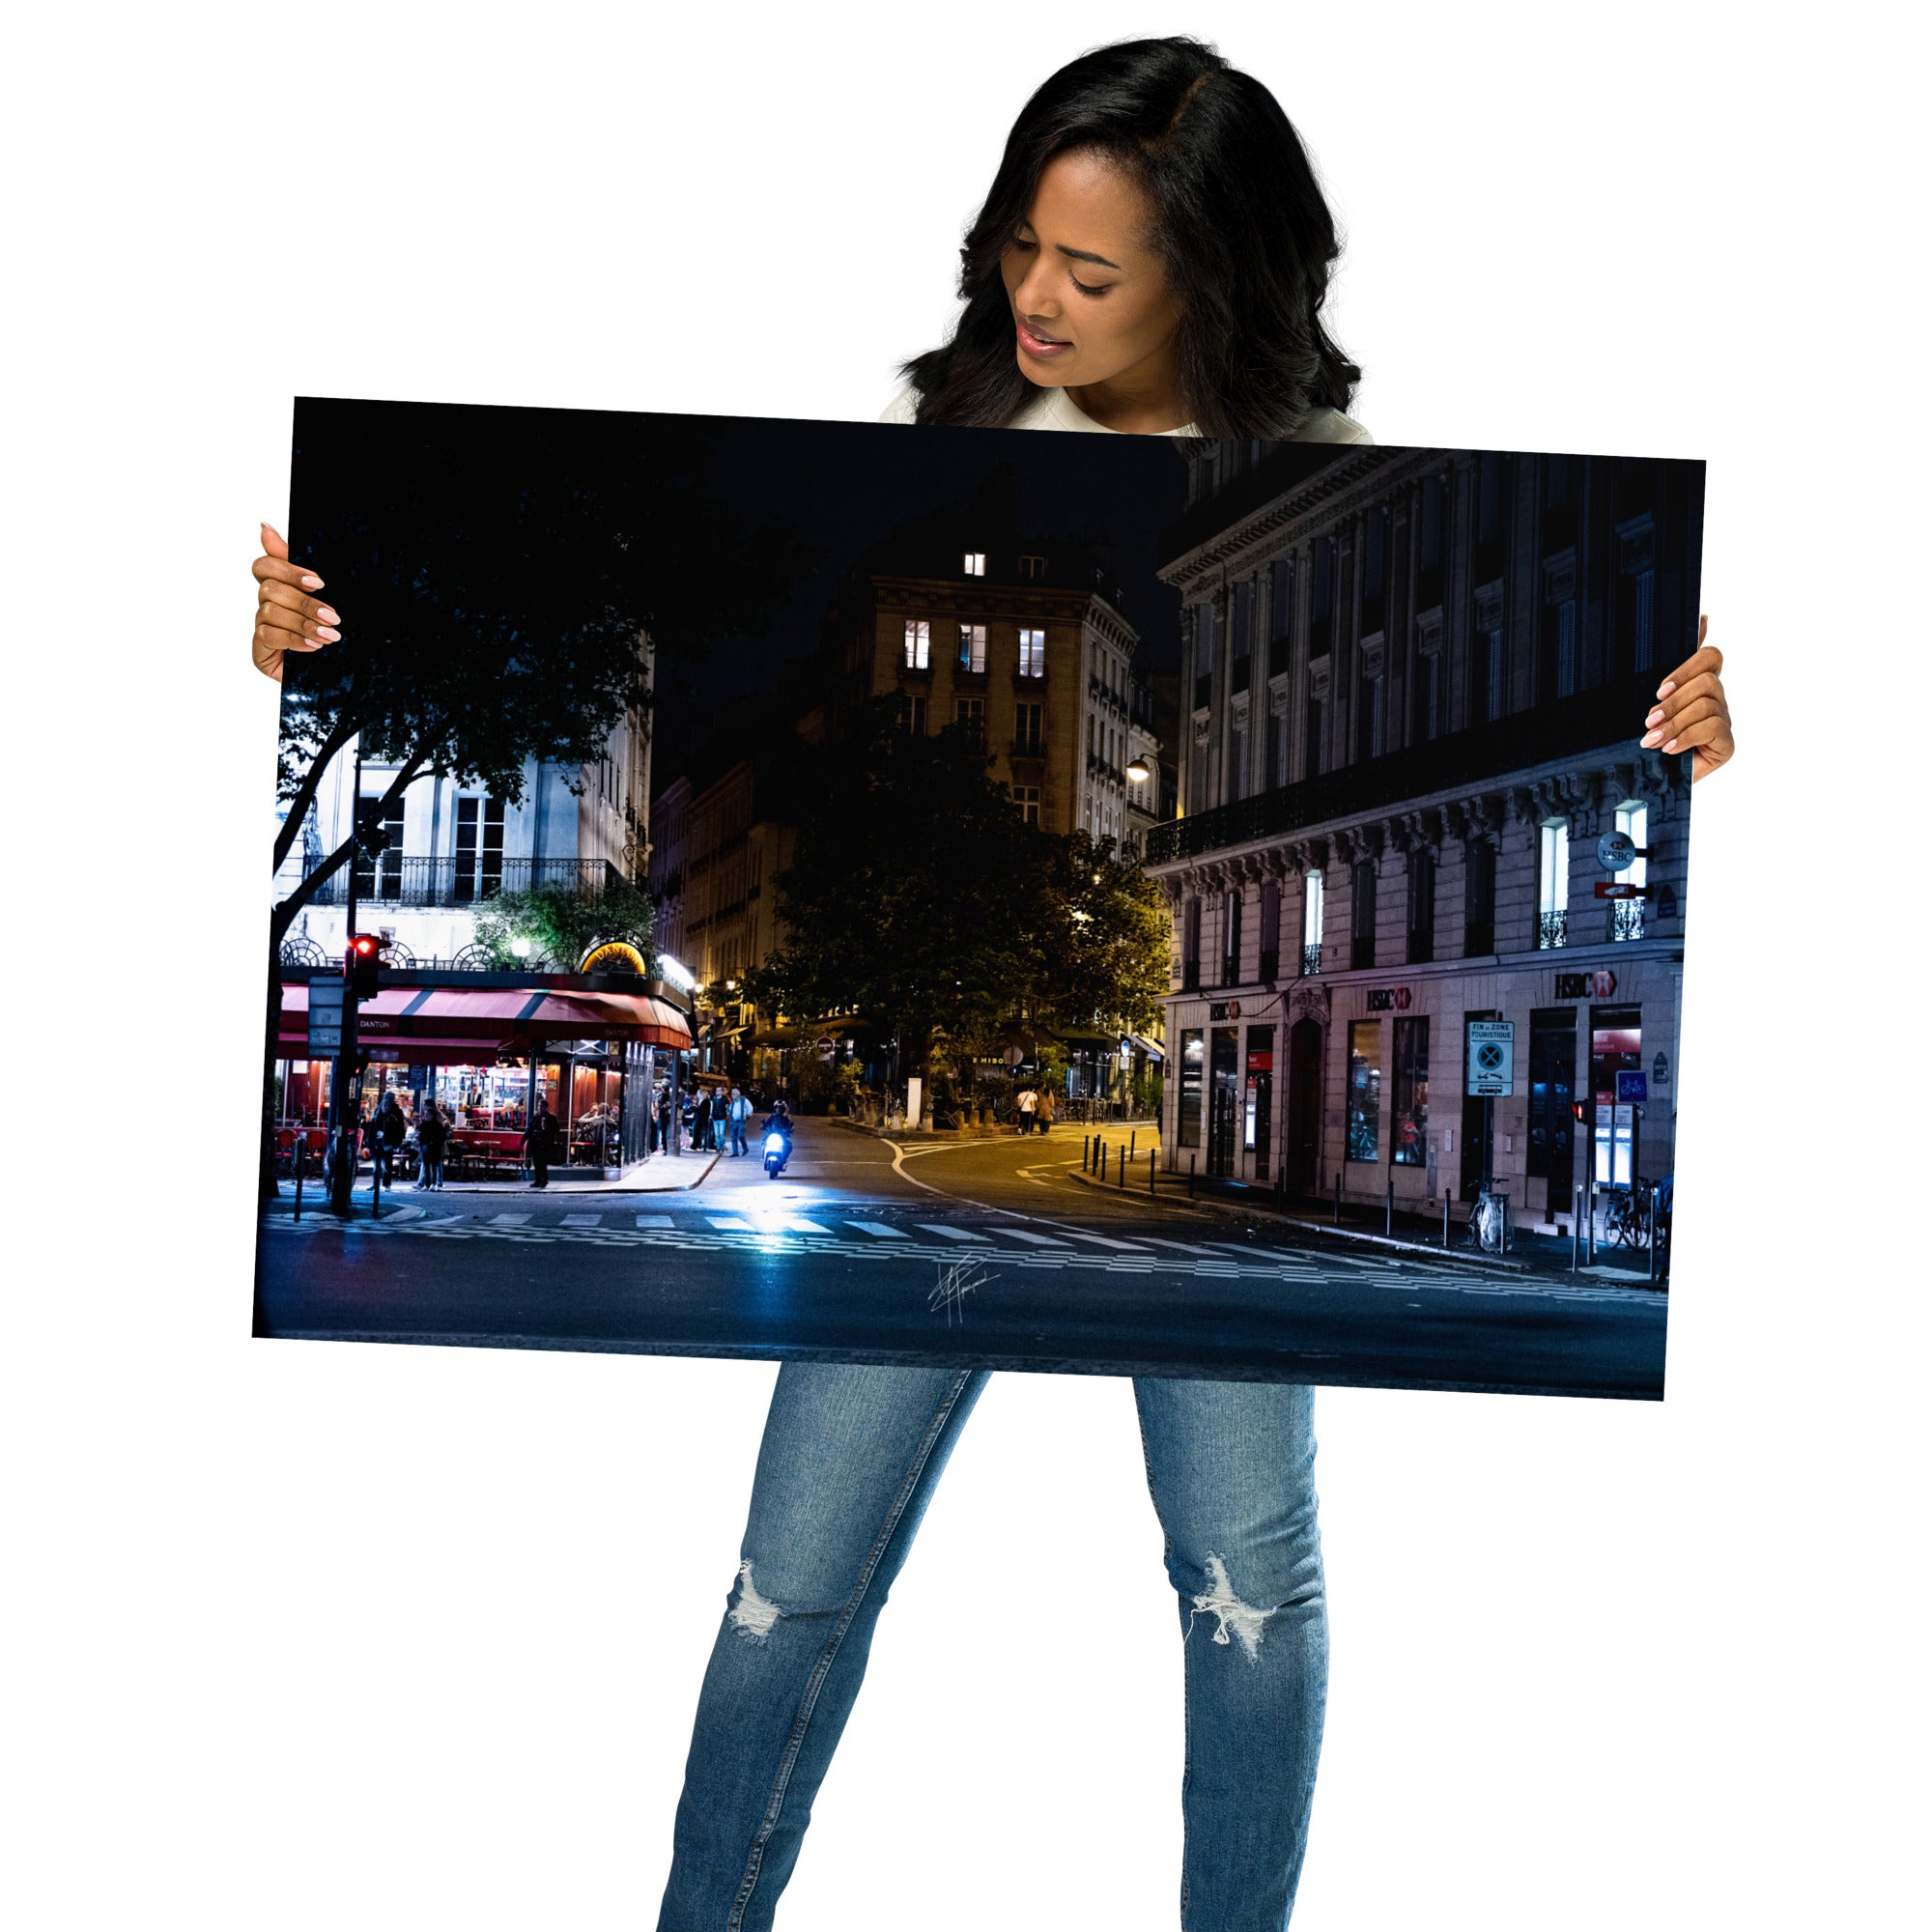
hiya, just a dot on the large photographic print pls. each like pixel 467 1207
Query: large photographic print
pixel 1128 904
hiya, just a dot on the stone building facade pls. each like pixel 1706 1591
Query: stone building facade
pixel 1412 685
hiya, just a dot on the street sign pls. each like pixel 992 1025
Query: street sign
pixel 1616 889
pixel 1615 851
pixel 1631 1087
pixel 324 1017
pixel 1492 1062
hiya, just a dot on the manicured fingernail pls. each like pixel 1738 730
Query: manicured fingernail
pixel 311 582
pixel 1651 738
pixel 1672 746
pixel 328 616
pixel 1665 689
pixel 1655 716
pixel 327 636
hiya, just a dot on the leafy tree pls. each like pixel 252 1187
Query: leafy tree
pixel 497 572
pixel 1108 964
pixel 561 926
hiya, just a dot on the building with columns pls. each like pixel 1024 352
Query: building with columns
pixel 1412 687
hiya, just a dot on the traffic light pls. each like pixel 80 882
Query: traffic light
pixel 362 965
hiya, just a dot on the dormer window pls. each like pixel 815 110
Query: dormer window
pixel 976 563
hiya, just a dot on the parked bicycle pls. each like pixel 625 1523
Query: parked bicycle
pixel 1626 1221
pixel 1488 1222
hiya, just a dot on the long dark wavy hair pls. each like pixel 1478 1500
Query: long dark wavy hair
pixel 1241 229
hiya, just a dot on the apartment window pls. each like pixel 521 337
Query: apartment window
pixel 1421 908
pixel 1277 748
pixel 1362 913
pixel 1027 729
pixel 1559 619
pixel 912 714
pixel 1408 1122
pixel 1281 615
pixel 1642 594
pixel 976 563
pixel 1231 939
pixel 918 644
pixel 1027 798
pixel 1243 625
pixel 1310 923
pixel 1479 898
pixel 480 848
pixel 1552 901
pixel 1488 679
pixel 1426 695
pixel 1032 566
pixel 1559 507
pixel 1369 718
pixel 1204 629
pixel 972 647
pixel 1190 946
pixel 1375 570
pixel 1237 759
pixel 1490 517
pixel 1365 1090
pixel 1321 600
pixel 1033 653
pixel 380 875
pixel 1271 959
pixel 1627 915
pixel 1428 546
pixel 970 713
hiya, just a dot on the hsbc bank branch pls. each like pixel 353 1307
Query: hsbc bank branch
pixel 1417 805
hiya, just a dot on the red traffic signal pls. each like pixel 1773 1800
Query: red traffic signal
pixel 363 963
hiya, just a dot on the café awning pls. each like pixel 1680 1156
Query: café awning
pixel 455 1023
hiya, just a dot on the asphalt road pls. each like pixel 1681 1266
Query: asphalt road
pixel 989 1253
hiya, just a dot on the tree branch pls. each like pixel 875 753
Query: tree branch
pixel 305 792
pixel 284 915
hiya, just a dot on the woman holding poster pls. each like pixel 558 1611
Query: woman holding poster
pixel 1152 258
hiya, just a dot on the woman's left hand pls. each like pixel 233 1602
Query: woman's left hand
pixel 1691 712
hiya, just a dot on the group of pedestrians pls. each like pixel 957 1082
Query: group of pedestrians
pixel 718 1119
pixel 1034 1106
pixel 384 1131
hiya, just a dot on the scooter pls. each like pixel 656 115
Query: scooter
pixel 778 1150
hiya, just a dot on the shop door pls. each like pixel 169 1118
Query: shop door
pixel 1258 1105
pixel 1224 1101
pixel 1552 1081
pixel 1304 1105
pixel 1616 1046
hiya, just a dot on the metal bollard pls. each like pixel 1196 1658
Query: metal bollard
pixel 1121 1168
pixel 1190 1175
pixel 1446 1215
pixel 1153 1190
pixel 1575 1228
pixel 1590 1204
pixel 1338 1198
pixel 1085 1150
pixel 1650 1231
pixel 1133 1143
pixel 375 1181
pixel 1388 1222
pixel 302 1148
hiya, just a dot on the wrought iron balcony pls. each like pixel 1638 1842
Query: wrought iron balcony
pixel 1626 918
pixel 397 879
pixel 1552 929
pixel 1310 958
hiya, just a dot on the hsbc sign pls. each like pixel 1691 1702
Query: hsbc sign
pixel 1386 1000
pixel 1600 985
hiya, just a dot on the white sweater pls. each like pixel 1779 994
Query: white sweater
pixel 1055 408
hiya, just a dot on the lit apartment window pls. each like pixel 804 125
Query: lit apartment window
pixel 1032 566
pixel 972 647
pixel 918 644
pixel 1553 905
pixel 1033 653
pixel 1627 915
pixel 976 563
pixel 1310 923
pixel 1027 798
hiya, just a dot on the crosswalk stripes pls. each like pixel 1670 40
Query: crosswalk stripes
pixel 583 1220
pixel 508 1220
pixel 1038 1240
pixel 950 1234
pixel 878 1230
pixel 659 1221
pixel 734 1223
pixel 799 1225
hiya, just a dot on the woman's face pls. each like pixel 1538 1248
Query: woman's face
pixel 1091 300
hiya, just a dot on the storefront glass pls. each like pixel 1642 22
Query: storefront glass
pixel 1365 1090
pixel 1192 1056
pixel 1258 1111
pixel 1409 1126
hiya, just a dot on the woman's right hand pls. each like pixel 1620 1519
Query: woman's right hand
pixel 286 617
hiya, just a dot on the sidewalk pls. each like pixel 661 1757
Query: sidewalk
pixel 662 1174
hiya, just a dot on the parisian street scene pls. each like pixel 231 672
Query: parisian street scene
pixel 782 889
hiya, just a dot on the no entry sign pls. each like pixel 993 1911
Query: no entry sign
pixel 1492 1066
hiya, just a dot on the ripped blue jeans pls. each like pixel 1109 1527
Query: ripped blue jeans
pixel 850 1459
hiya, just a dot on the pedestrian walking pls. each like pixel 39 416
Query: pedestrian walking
pixel 738 1113
pixel 700 1119
pixel 391 1129
pixel 664 1118
pixel 432 1138
pixel 539 1142
pixel 1043 1113
pixel 1025 1103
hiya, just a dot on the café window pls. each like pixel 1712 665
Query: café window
pixel 1408 1128
pixel 972 647
pixel 1365 1090
pixel 918 655
pixel 1033 653
pixel 1191 1058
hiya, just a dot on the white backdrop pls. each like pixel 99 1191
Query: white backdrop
pixel 312 1636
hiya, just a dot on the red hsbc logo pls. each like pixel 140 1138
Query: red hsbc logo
pixel 1387 999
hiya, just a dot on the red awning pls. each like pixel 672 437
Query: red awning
pixel 458 1024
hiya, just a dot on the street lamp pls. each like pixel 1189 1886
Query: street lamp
pixel 1138 770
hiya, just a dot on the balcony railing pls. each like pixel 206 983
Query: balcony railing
pixel 1310 958
pixel 1626 918
pixel 1552 929
pixel 396 879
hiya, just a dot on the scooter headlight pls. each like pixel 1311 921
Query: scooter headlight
pixel 775 1144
